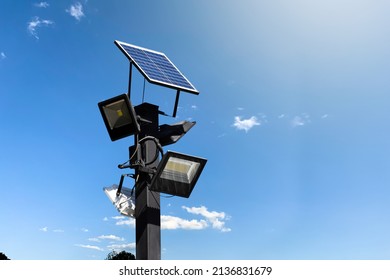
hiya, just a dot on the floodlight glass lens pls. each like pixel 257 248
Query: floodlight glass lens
pixel 180 170
pixel 117 114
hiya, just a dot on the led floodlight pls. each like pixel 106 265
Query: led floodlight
pixel 124 202
pixel 177 174
pixel 119 117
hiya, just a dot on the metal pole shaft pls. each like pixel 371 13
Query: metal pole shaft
pixel 148 219
pixel 130 74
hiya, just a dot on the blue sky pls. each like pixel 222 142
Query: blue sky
pixel 292 116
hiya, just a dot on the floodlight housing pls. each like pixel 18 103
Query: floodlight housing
pixel 124 202
pixel 177 174
pixel 119 117
pixel 170 134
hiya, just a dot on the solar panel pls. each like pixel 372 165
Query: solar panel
pixel 156 67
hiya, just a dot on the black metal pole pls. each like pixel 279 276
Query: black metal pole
pixel 176 103
pixel 148 221
pixel 130 74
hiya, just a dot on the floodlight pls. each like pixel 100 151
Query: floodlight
pixel 119 117
pixel 124 202
pixel 169 134
pixel 177 174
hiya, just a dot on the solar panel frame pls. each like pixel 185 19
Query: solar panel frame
pixel 156 67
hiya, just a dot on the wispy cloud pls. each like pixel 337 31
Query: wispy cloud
pixel 42 5
pixel 94 239
pixel 35 23
pixel 297 121
pixel 210 218
pixel 245 124
pixel 76 11
pixel 119 247
pixel 110 237
pixel 171 222
pixel 44 229
pixel 117 218
pixel 217 219
pixel 301 120
pixel 2 56
pixel 90 247
pixel 123 221
pixel 113 243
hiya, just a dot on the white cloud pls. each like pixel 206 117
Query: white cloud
pixel 110 237
pixel 76 11
pixel 2 56
pixel 124 221
pixel 42 5
pixel 129 246
pixel 44 229
pixel 213 218
pixel 90 247
pixel 170 222
pixel 36 23
pixel 94 239
pixel 245 124
pixel 217 219
pixel 84 230
pixel 324 116
pixel 118 218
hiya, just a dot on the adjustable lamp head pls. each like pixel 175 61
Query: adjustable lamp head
pixel 119 117
pixel 177 174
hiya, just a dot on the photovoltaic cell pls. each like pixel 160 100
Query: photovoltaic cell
pixel 156 67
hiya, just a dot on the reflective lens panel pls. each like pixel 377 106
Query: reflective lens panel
pixel 180 170
pixel 118 114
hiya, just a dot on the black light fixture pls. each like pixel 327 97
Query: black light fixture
pixel 119 117
pixel 177 174
pixel 170 134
